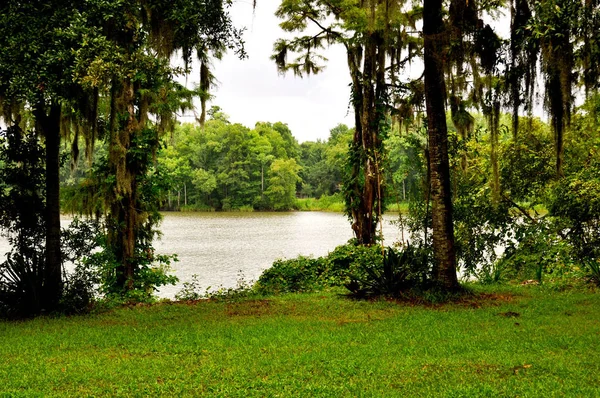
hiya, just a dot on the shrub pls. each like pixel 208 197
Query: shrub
pixel 575 207
pixel 304 274
pixel 296 275
pixel 401 270
pixel 594 272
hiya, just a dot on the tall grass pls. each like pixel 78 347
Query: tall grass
pixel 333 203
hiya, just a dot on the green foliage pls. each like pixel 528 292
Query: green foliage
pixel 575 206
pixel 191 291
pixel 226 166
pixel 324 203
pixel 535 252
pixel 151 272
pixel 527 164
pixel 594 270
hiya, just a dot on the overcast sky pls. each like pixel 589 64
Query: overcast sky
pixel 251 90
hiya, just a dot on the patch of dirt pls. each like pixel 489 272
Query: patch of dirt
pixel 249 308
pixel 467 300
pixel 509 314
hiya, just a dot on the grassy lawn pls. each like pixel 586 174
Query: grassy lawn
pixel 518 341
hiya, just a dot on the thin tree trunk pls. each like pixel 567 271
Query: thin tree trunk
pixel 435 89
pixel 369 134
pixel 494 126
pixel 364 200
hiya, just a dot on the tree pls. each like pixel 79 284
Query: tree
pixel 36 75
pixel 371 32
pixel 443 229
pixel 283 176
pixel 22 219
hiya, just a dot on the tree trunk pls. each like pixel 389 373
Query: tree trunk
pixel 435 93
pixel 363 197
pixel 494 125
pixel 52 276
pixel 122 236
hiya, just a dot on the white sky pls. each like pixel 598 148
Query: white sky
pixel 251 90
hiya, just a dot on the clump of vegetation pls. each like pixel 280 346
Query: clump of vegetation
pixel 325 203
pixel 305 274
pixel 364 270
pixel 400 270
pixel 192 291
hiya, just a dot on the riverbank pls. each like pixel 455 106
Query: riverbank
pixel 507 341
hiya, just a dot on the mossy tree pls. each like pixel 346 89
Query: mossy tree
pixel 128 59
pixel 375 34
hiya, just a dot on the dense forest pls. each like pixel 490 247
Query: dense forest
pixel 461 143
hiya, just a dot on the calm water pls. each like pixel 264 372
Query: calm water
pixel 221 248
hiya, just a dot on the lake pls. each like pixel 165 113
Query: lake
pixel 222 248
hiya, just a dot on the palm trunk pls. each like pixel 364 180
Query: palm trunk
pixel 435 89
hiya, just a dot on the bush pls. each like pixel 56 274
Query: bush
pixel 79 293
pixel 575 207
pixel 296 275
pixel 304 274
pixel 401 270
pixel 594 272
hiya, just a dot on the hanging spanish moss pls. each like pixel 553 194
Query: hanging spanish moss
pixel 524 51
pixel 590 51
pixel 556 22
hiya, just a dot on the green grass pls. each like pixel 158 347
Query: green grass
pixel 520 341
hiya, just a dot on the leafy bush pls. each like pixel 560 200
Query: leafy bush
pixel 79 292
pixel 401 270
pixel 535 252
pixel 295 275
pixel 594 272
pixel 304 274
pixel 190 290
pixel 575 208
